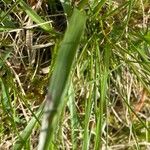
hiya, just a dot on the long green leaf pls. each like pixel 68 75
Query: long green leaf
pixel 58 82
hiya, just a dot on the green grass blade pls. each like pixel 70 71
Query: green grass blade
pixel 35 17
pixel 147 38
pixel 64 60
pixel 88 107
pixel 24 136
pixel 104 71
pixel 5 99
pixel 7 13
pixel 98 7
pixel 74 117
pixel 67 7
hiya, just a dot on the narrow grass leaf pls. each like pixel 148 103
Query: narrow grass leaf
pixel 5 99
pixel 74 117
pixel 24 136
pixel 104 71
pixel 35 17
pixel 88 107
pixel 98 7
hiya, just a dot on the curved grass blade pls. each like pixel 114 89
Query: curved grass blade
pixel 63 66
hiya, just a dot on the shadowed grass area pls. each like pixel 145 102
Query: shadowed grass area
pixel 96 81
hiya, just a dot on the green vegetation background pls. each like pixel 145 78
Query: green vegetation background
pixel 88 61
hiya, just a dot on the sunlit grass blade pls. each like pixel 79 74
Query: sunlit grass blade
pixel 58 82
pixel 35 17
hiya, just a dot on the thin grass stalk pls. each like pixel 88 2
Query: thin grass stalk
pixel 9 10
pixel 129 12
pixel 104 71
pixel 74 117
pixel 98 7
pixel 135 137
pixel 88 107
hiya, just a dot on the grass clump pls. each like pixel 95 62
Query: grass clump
pixel 98 96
